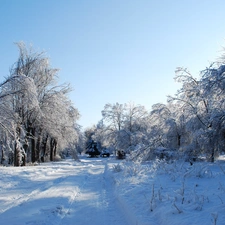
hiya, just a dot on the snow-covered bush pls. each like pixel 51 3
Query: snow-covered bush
pixel 143 154
pixel 117 168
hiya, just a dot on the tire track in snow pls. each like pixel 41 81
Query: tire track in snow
pixel 121 217
pixel 101 208
pixel 26 197
pixel 84 194
pixel 75 195
pixel 93 202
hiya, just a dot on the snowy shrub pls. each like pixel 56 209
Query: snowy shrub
pixel 200 171
pixel 158 165
pixel 177 208
pixel 189 152
pixel 133 169
pixel 165 153
pixel 117 168
pixel 215 217
pixel 175 169
pixel 143 154
pixel 199 201
pixel 152 199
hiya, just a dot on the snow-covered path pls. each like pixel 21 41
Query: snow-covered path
pixel 106 191
pixel 60 193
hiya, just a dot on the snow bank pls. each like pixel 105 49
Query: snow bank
pixel 172 194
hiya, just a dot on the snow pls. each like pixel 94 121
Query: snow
pixel 107 191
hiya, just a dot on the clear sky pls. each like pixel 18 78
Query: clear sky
pixel 115 50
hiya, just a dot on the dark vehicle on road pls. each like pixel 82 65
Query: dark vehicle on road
pixel 121 154
pixel 105 153
pixel 93 150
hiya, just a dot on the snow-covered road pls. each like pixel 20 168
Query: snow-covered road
pixel 60 193
pixel 106 191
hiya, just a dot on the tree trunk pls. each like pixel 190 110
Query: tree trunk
pixel 44 148
pixel 38 147
pixel 25 147
pixel 33 147
pixel 51 149
pixel 178 140
pixel 2 151
pixel 24 159
pixel 55 148
pixel 16 154
pixel 17 147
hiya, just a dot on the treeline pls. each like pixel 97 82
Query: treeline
pixel 37 119
pixel 191 124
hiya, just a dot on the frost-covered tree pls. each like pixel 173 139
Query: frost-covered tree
pixel 41 115
pixel 202 107
pixel 123 125
pixel 59 122
pixel 213 81
pixel 134 119
pixel 91 135
pixel 113 118
pixel 195 108
pixel 18 96
pixel 193 121
pixel 113 114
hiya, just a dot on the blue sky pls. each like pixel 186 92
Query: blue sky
pixel 115 50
